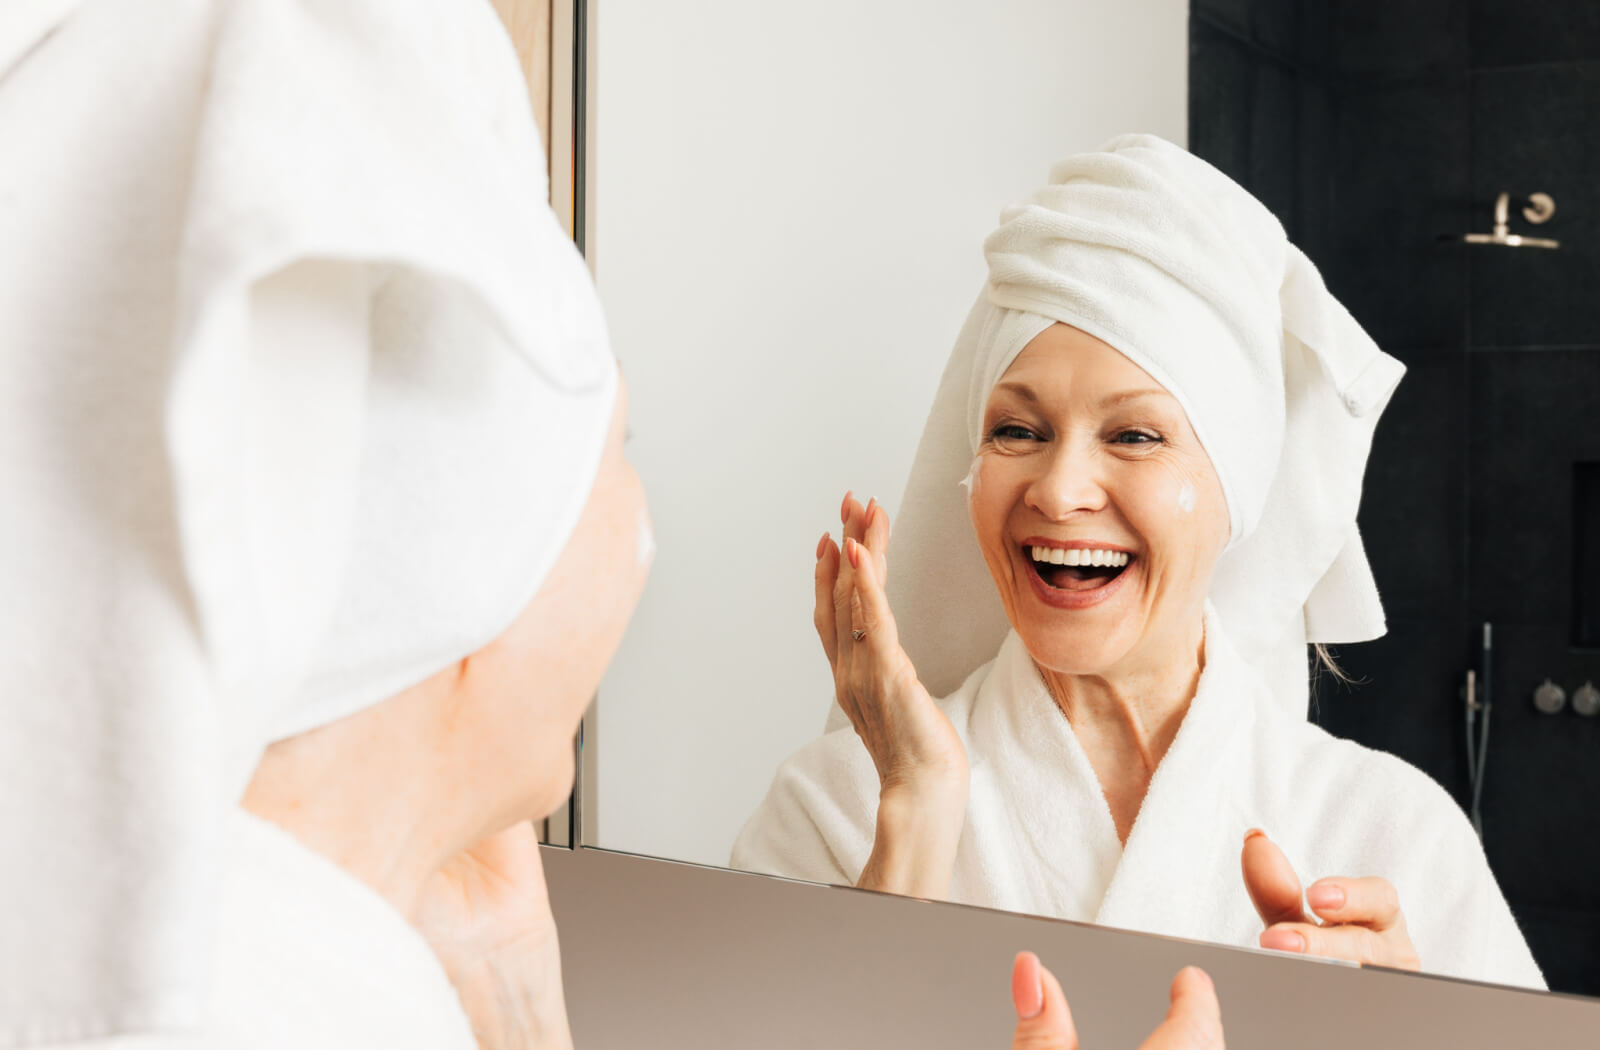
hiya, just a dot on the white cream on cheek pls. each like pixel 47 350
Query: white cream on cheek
pixel 970 482
pixel 1186 497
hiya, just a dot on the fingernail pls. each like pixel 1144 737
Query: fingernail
pixel 844 509
pixel 1027 987
pixel 1283 941
pixel 871 503
pixel 853 550
pixel 822 545
pixel 1325 897
pixel 1252 833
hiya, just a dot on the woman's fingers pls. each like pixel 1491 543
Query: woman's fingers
pixel 853 517
pixel 872 616
pixel 1270 879
pixel 844 601
pixel 877 540
pixel 1357 944
pixel 1367 902
pixel 1043 1020
pixel 823 615
pixel 1194 1021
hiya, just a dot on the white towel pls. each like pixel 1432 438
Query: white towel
pixel 302 390
pixel 311 958
pixel 1158 254
pixel 1039 836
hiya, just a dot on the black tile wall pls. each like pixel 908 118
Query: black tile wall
pixel 1516 32
pixel 1404 697
pixel 1270 26
pixel 1565 942
pixel 1541 824
pixel 1415 497
pixel 1532 416
pixel 1399 181
pixel 1399 39
pixel 1534 130
pixel 1410 116
pixel 1246 105
pixel 1222 89
pixel 1316 220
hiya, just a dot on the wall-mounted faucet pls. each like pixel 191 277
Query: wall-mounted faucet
pixel 1538 210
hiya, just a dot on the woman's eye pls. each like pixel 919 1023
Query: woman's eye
pixel 1012 432
pixel 1136 437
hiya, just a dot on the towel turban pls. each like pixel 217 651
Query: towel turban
pixel 1161 256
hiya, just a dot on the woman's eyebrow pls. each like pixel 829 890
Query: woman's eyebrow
pixel 1123 396
pixel 1021 390
pixel 1026 393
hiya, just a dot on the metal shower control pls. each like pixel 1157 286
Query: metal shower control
pixel 1549 697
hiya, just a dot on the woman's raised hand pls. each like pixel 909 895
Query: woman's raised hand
pixel 1355 919
pixel 1194 1020
pixel 921 764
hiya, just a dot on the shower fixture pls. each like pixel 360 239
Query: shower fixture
pixel 1538 210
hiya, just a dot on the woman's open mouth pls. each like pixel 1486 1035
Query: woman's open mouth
pixel 1072 577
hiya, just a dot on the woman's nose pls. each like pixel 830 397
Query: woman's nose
pixel 1069 484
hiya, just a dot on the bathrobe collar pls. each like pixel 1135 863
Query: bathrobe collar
pixel 1190 796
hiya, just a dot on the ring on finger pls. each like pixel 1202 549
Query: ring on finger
pixel 858 634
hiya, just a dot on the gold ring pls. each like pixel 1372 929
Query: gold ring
pixel 858 635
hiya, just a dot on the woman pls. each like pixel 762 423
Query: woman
pixel 1133 505
pixel 314 445
pixel 318 440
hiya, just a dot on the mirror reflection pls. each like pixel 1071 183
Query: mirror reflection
pixel 1091 615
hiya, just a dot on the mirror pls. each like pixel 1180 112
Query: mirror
pixel 788 211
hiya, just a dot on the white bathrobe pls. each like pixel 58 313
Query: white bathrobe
pixel 1039 836
pixel 310 957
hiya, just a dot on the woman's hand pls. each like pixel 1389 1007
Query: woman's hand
pixel 1194 1020
pixel 921 764
pixel 487 916
pixel 1361 919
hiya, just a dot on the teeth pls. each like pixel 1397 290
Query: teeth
pixel 1079 556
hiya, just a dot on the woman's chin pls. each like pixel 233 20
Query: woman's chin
pixel 1075 656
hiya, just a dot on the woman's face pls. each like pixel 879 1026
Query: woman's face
pixel 536 679
pixel 1097 511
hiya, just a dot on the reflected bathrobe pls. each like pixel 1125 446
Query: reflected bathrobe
pixel 1039 836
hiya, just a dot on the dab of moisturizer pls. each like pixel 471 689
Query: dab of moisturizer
pixel 1186 497
pixel 970 482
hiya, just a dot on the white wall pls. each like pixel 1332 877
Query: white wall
pixel 790 203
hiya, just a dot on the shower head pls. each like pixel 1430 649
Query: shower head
pixel 1539 209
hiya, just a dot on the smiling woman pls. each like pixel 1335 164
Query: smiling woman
pixel 1163 419
pixel 1085 460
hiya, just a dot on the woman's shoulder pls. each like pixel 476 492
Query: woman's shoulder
pixel 817 819
pixel 835 763
pixel 1312 768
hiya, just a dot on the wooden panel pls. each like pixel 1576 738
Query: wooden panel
pixel 528 22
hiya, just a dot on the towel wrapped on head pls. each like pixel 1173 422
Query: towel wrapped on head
pixel 1166 259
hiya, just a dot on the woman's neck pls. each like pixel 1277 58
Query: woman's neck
pixel 1126 719
pixel 373 793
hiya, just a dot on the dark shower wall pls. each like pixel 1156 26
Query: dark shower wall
pixel 1371 127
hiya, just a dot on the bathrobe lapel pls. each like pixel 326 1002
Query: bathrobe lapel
pixel 1037 800
pixel 1180 867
